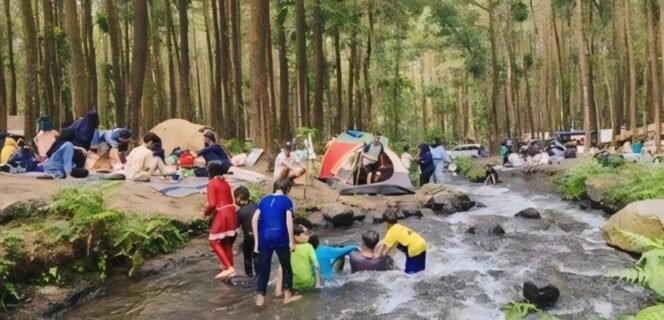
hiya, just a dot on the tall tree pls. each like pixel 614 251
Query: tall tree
pixel 319 68
pixel 3 94
pixel 260 130
pixel 173 58
pixel 216 111
pixel 339 83
pixel 51 78
pixel 631 66
pixel 301 62
pixel 584 78
pixel 116 61
pixel 79 81
pixel 284 87
pixel 237 68
pixel 90 54
pixel 367 67
pixel 186 109
pixel 138 62
pixel 13 106
pixel 229 114
pixel 30 49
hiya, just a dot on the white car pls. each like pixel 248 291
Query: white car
pixel 465 150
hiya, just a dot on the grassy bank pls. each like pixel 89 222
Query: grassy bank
pixel 76 237
pixel 612 181
pixel 470 169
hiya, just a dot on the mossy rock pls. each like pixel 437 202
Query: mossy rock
pixel 645 218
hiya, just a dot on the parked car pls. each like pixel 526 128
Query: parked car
pixel 466 150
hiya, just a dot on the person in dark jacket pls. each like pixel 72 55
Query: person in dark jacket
pixel 426 163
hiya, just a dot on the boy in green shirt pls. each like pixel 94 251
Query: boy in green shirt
pixel 306 271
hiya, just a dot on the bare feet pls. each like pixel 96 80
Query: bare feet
pixel 228 273
pixel 260 300
pixel 289 297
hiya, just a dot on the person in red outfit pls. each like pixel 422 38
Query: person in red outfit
pixel 224 220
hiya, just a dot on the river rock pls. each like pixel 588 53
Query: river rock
pixel 449 201
pixel 480 205
pixel 338 214
pixel 22 209
pixel 544 297
pixel 596 189
pixel 529 213
pixel 410 210
pixel 645 218
pixel 495 230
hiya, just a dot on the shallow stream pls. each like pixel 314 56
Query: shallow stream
pixel 468 276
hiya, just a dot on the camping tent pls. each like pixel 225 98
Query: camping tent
pixel 179 133
pixel 342 155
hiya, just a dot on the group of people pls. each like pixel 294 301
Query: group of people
pixel 82 147
pixel 432 160
pixel 269 227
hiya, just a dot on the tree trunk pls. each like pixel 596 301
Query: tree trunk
pixel 367 68
pixel 229 114
pixel 494 80
pixel 116 58
pixel 139 56
pixel 301 58
pixel 632 66
pixel 186 109
pixel 319 69
pixel 350 120
pixel 284 87
pixel 583 72
pixel 657 82
pixel 52 92
pixel 236 49
pixel 13 106
pixel 211 56
pixel 157 68
pixel 339 84
pixel 30 49
pixel 270 112
pixel 217 110
pixel 3 94
pixel 173 58
pixel 90 54
pixel 79 81
pixel 258 80
pixel 199 115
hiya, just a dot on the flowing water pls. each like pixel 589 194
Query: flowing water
pixel 468 276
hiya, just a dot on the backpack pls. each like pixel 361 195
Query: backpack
pixel 186 159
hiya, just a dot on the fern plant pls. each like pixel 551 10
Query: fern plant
pixel 649 269
pixel 655 312
pixel 636 242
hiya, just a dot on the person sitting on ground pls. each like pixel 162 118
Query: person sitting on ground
pixel 371 157
pixel 406 158
pixel 245 214
pixel 212 152
pixel 426 163
pixel 366 259
pixel 407 241
pixel 306 271
pixel 286 166
pixel 66 160
pixel 141 164
pixel 491 175
pixel 8 150
pixel 272 226
pixel 329 256
pixel 221 207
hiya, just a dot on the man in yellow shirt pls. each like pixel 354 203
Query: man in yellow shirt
pixel 406 240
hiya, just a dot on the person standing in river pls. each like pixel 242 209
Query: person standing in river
pixel 406 240
pixel 272 226
pixel 245 214
pixel 224 221
pixel 425 160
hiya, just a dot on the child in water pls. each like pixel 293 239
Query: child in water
pixel 244 216
pixel 406 240
pixel 491 175
pixel 224 220
pixel 306 271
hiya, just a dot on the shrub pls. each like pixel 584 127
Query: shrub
pixel 572 183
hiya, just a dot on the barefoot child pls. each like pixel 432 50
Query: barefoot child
pixel 306 272
pixel 272 226
pixel 406 240
pixel 224 221
pixel 244 215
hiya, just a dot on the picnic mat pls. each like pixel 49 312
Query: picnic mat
pixel 192 185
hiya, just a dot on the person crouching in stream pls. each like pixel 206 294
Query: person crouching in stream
pixel 406 240
pixel 224 220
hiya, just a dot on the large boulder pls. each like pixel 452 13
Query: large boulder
pixel 449 201
pixel 645 218
pixel 338 214
pixel 597 188
pixel 410 210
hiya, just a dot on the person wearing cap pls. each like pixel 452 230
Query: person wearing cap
pixel 221 207
pixel 407 241
pixel 286 166
pixel 212 152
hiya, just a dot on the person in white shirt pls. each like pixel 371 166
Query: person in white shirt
pixel 286 166
pixel 406 158
pixel 371 157
pixel 141 164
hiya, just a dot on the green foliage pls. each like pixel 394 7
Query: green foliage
pixel 519 11
pixel 476 174
pixel 76 201
pixel 101 20
pixel 470 170
pixel 655 312
pixel 14 249
pixel 463 164
pixel 236 146
pixel 8 289
pixel 611 160
pixel 648 271
pixel 255 191
pixel 519 310
pixel 639 243
pixel 572 183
